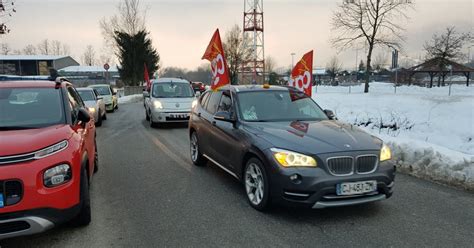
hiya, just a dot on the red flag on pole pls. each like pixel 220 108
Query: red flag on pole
pixel 147 78
pixel 302 74
pixel 215 54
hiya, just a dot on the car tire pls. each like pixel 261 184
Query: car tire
pixel 104 117
pixel 116 106
pixel 152 123
pixel 84 216
pixel 257 185
pixel 147 117
pixel 196 156
pixel 96 159
pixel 99 122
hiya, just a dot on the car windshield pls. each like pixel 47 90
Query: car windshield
pixel 268 106
pixel 87 95
pixel 103 90
pixel 172 90
pixel 23 108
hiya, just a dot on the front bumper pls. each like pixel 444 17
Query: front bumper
pixel 109 107
pixel 34 221
pixel 170 115
pixel 316 187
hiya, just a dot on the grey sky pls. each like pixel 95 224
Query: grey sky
pixel 181 29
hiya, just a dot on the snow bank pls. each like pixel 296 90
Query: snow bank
pixel 130 98
pixel 431 133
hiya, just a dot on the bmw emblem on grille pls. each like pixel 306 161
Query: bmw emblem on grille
pixel 347 146
pixel 177 105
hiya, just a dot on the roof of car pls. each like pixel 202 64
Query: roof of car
pixel 84 89
pixel 98 85
pixel 27 84
pixel 254 87
pixel 168 80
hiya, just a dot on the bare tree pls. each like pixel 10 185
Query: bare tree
pixel 448 45
pixel 5 49
pixel 235 51
pixel 333 67
pixel 89 56
pixel 29 50
pixel 373 22
pixel 380 61
pixel 44 47
pixel 130 19
pixel 270 64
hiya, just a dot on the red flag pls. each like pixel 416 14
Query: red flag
pixel 302 74
pixel 147 79
pixel 215 54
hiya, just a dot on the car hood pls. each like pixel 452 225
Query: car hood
pixel 176 103
pixel 314 137
pixel 90 104
pixel 30 140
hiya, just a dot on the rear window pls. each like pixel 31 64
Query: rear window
pixel 103 90
pixel 87 95
pixel 23 108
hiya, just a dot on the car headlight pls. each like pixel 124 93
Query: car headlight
pixel 293 159
pixel 51 149
pixel 385 153
pixel 92 110
pixel 195 102
pixel 57 175
pixel 157 105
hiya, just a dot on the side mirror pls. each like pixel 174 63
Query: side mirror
pixel 198 94
pixel 330 114
pixel 114 93
pixel 83 116
pixel 146 94
pixel 224 116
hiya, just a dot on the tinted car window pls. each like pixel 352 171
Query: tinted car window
pixel 87 95
pixel 213 102
pixel 225 103
pixel 30 108
pixel 278 106
pixel 204 99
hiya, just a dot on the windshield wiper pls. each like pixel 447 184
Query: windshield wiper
pixel 8 128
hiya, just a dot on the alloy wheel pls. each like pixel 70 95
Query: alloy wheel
pixel 254 184
pixel 194 147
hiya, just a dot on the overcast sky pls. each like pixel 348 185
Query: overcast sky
pixel 181 29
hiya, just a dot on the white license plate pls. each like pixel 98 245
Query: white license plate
pixel 182 116
pixel 356 188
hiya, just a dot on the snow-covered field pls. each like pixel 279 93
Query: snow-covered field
pixel 130 98
pixel 431 133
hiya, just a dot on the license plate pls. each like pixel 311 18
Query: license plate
pixel 356 188
pixel 1 201
pixel 179 116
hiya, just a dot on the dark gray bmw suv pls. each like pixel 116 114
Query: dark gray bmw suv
pixel 286 149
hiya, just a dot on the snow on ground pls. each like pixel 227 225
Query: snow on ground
pixel 431 133
pixel 130 98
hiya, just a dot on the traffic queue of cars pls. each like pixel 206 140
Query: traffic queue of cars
pixel 278 142
pixel 48 154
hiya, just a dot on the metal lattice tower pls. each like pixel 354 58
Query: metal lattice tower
pixel 253 67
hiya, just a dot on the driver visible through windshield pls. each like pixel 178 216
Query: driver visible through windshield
pixel 172 90
pixel 267 106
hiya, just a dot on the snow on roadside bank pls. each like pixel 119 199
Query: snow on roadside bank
pixel 130 98
pixel 431 133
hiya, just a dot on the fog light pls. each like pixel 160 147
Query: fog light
pixel 295 178
pixel 57 175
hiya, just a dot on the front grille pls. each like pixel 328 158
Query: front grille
pixel 366 164
pixel 16 159
pixel 12 192
pixel 341 166
pixel 14 226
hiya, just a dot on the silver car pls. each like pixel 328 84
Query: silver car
pixel 169 100
pixel 94 103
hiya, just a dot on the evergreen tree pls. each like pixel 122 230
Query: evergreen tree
pixel 134 52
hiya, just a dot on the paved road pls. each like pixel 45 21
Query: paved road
pixel 148 194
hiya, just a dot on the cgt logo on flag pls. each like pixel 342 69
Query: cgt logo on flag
pixel 215 54
pixel 302 74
